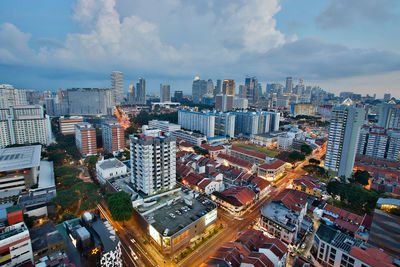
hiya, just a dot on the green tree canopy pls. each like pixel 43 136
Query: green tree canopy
pixel 314 161
pixel 67 216
pixel 69 180
pixel 306 149
pixel 91 160
pixel 295 156
pixel 66 170
pixel 57 157
pixel 361 177
pixel 66 198
pixel 120 206
pixel 200 151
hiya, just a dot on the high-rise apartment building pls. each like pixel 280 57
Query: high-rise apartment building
pixel 141 91
pixel 113 135
pixel 252 89
pixel 225 124
pixel 85 139
pixel 165 93
pixel 224 102
pixel 67 125
pixel 199 89
pixel 389 115
pixel 131 97
pixel 250 123
pixel 153 161
pixel 210 87
pixel 199 121
pixel 117 86
pixel 10 96
pixel 228 87
pixel 344 131
pixel 24 125
pixel 89 101
pixel 289 85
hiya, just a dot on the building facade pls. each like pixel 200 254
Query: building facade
pixel 117 86
pixel 344 131
pixel 101 100
pixel 197 121
pixel 113 135
pixel 67 125
pixel 85 138
pixel 141 92
pixel 153 161
pixel 165 93
pixel 10 96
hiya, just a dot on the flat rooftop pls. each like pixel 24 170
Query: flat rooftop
pixel 46 175
pixel 110 164
pixel 45 235
pixel 279 214
pixel 158 214
pixel 17 158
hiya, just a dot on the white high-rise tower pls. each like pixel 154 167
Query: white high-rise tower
pixel 117 85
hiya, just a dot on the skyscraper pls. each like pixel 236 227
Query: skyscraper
pixel 228 87
pixel 344 132
pixel 218 88
pixel 289 85
pixel 153 161
pixel 117 85
pixel 252 90
pixel 199 89
pixel 178 95
pixel 141 92
pixel 386 97
pixel 165 93
pixel 131 99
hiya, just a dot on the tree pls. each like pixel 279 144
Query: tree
pixel 361 177
pixel 67 181
pixel 57 157
pixel 67 216
pixel 66 170
pixel 200 151
pixel 314 161
pixel 91 160
pixel 317 172
pixel 29 220
pixel 295 156
pixel 65 198
pixel 306 149
pixel 120 206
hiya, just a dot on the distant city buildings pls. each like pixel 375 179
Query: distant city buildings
pixel 67 125
pixel 344 131
pixel 228 87
pixel 101 101
pixel 178 96
pixel 24 125
pixel 289 85
pixel 85 139
pixel 199 88
pixel 141 92
pixel 202 122
pixel 165 93
pixel 153 161
pixel 10 96
pixel 117 86
pixel 113 135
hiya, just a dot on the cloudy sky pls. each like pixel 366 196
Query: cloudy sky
pixel 340 45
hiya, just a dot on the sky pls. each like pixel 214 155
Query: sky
pixel 339 45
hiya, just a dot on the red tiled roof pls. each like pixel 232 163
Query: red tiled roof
pixel 193 178
pixel 260 182
pixel 236 161
pixel 332 209
pixel 273 166
pixel 307 181
pixel 185 144
pixel 258 260
pixel 329 217
pixel 276 246
pixel 372 256
pixel 344 214
pixel 223 168
pixel 249 152
pixel 367 221
pixel 346 225
pixel 243 194
pixel 290 198
pixel 203 184
pixel 212 148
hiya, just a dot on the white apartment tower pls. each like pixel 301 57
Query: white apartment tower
pixel 153 161
pixel 117 85
pixel 198 121
pixel 344 132
pixel 10 96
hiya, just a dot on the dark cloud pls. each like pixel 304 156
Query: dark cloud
pixel 341 13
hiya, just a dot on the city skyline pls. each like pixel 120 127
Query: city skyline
pixel 338 45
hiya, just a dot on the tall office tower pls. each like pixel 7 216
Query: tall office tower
pixel 113 135
pixel 153 161
pixel 225 124
pixel 289 85
pixel 89 101
pixel 228 87
pixel 117 86
pixel 203 122
pixel 178 96
pixel 24 125
pixel 210 87
pixel 344 132
pixel 242 91
pixel 131 97
pixel 165 93
pixel 199 88
pixel 10 96
pixel 389 115
pixel 141 92
pixel 85 139
pixel 387 97
pixel 252 89
pixel 218 88
pixel 224 102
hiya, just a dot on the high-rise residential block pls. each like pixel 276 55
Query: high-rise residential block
pixel 85 139
pixel 153 161
pixel 389 115
pixel 344 132
pixel 113 135
pixel 228 87
pixel 165 93
pixel 67 125
pixel 24 125
pixel 210 88
pixel 225 124
pixel 164 126
pixel 252 90
pixel 250 123
pixel 89 101
pixel 141 91
pixel 289 85
pixel 117 86
pixel 131 97
pixel 224 102
pixel 178 95
pixel 203 122
pixel 10 96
